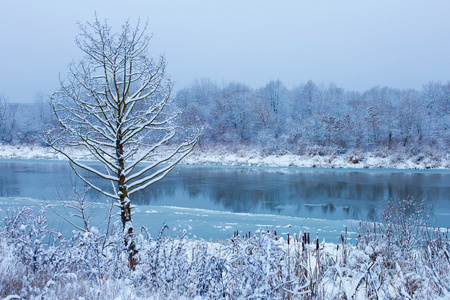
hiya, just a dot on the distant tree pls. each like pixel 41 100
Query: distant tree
pixel 2 115
pixel 230 113
pixel 197 102
pixel 411 119
pixel 7 120
pixel 273 93
pixel 116 104
pixel 44 108
pixel 435 97
pixel 309 91
pixel 263 115
pixel 2 107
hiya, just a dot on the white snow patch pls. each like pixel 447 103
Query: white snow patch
pixel 254 157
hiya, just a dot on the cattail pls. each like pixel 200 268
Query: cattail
pixel 288 238
pixel 317 242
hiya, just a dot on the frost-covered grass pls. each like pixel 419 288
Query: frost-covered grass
pixel 321 157
pixel 390 260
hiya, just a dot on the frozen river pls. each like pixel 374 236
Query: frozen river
pixel 213 202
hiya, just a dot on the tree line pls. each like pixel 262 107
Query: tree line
pixel 274 118
pixel 24 123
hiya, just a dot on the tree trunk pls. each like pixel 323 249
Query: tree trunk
pixel 390 140
pixel 125 206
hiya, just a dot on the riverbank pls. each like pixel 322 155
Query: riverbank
pixel 314 157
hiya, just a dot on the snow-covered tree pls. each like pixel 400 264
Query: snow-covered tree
pixel 2 116
pixel 116 104
pixel 230 114
pixel 8 121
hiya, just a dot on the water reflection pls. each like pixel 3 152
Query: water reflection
pixel 320 194
pixel 328 194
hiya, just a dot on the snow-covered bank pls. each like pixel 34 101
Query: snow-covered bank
pixel 351 159
pixel 30 152
pixel 253 157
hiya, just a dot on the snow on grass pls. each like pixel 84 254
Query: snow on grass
pixel 254 157
pixel 377 159
pixel 38 263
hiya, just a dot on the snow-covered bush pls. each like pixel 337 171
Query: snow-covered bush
pixel 38 263
pixel 30 252
pixel 406 259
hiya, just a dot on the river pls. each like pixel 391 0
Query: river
pixel 212 202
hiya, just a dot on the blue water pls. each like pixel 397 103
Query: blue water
pixel 212 202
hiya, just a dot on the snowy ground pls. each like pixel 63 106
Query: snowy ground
pixel 350 159
pixel 254 157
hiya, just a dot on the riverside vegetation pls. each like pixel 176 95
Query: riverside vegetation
pixel 395 258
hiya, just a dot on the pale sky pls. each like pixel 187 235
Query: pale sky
pixel 353 43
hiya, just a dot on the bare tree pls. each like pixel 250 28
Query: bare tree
pixel 8 122
pixel 2 107
pixel 116 103
pixel 2 116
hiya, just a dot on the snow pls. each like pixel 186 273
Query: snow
pixel 263 266
pixel 254 157
pixel 38 152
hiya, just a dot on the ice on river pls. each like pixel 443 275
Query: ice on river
pixel 200 223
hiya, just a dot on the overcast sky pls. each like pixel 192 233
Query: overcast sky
pixel 355 44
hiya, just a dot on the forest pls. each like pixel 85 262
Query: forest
pixel 276 119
